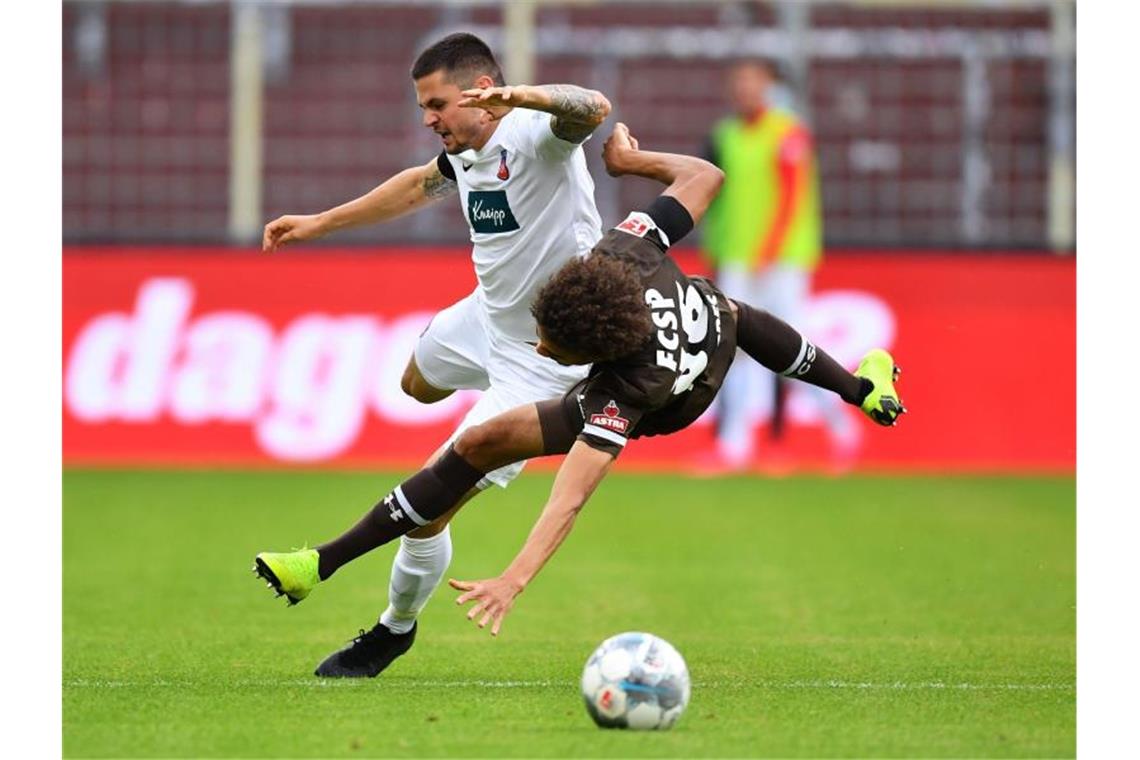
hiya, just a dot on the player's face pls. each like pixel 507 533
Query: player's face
pixel 546 347
pixel 748 88
pixel 458 128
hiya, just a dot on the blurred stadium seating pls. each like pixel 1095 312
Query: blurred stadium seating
pixel 936 125
pixel 943 127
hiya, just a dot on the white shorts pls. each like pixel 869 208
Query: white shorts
pixel 462 349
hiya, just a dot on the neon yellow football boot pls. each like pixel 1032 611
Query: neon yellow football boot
pixel 882 404
pixel 292 574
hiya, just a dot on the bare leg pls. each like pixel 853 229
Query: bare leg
pixel 414 384
pixel 437 491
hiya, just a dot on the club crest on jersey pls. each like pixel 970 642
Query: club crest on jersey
pixel 610 419
pixel 637 224
pixel 504 172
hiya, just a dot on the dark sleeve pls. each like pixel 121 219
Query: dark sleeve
pixel 671 217
pixel 608 421
pixel 445 167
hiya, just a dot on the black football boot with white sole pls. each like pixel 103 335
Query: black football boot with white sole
pixel 367 655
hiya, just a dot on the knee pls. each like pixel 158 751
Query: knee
pixel 408 382
pixel 413 384
pixel 433 528
pixel 481 445
pixel 473 443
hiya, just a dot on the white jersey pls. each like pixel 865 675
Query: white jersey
pixel 529 202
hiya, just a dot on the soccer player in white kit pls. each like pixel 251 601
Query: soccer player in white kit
pixel 514 156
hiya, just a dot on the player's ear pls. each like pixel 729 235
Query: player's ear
pixel 482 82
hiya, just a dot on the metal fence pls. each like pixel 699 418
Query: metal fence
pixel 946 125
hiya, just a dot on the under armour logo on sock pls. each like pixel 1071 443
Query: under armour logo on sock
pixel 393 511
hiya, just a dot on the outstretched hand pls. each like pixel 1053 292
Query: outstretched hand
pixel 494 597
pixel 617 146
pixel 291 228
pixel 496 101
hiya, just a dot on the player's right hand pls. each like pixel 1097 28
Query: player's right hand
pixel 290 228
pixel 496 101
pixel 619 143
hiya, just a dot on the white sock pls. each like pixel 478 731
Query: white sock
pixel 416 572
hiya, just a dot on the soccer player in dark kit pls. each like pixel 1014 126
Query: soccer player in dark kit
pixel 660 343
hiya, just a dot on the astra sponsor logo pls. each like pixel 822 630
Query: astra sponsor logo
pixel 610 419
pixel 304 389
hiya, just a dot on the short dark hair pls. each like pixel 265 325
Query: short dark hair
pixel 594 307
pixel 460 53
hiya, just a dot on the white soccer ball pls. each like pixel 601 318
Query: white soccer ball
pixel 635 680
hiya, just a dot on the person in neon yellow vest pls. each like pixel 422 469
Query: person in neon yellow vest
pixel 764 236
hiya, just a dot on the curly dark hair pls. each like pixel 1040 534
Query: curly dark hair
pixel 594 307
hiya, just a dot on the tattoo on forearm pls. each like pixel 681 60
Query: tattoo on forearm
pixel 577 112
pixel 435 185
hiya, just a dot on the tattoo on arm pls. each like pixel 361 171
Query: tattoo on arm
pixel 435 185
pixel 577 112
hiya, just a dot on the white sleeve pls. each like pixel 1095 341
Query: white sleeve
pixel 534 131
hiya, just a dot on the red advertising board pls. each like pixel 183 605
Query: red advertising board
pixel 224 357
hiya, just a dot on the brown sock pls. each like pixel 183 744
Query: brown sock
pixel 415 502
pixel 781 348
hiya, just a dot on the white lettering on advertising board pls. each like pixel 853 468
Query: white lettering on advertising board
pixel 305 390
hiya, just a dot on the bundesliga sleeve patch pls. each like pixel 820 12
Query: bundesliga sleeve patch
pixel 637 224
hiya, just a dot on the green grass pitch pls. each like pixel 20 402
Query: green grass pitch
pixel 862 616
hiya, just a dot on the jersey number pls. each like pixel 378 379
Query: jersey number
pixel 694 324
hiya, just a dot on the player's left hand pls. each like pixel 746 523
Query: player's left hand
pixel 616 147
pixel 496 101
pixel 493 597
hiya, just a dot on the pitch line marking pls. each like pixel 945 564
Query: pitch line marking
pixel 475 683
pixel 917 686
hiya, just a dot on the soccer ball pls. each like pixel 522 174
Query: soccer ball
pixel 635 680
